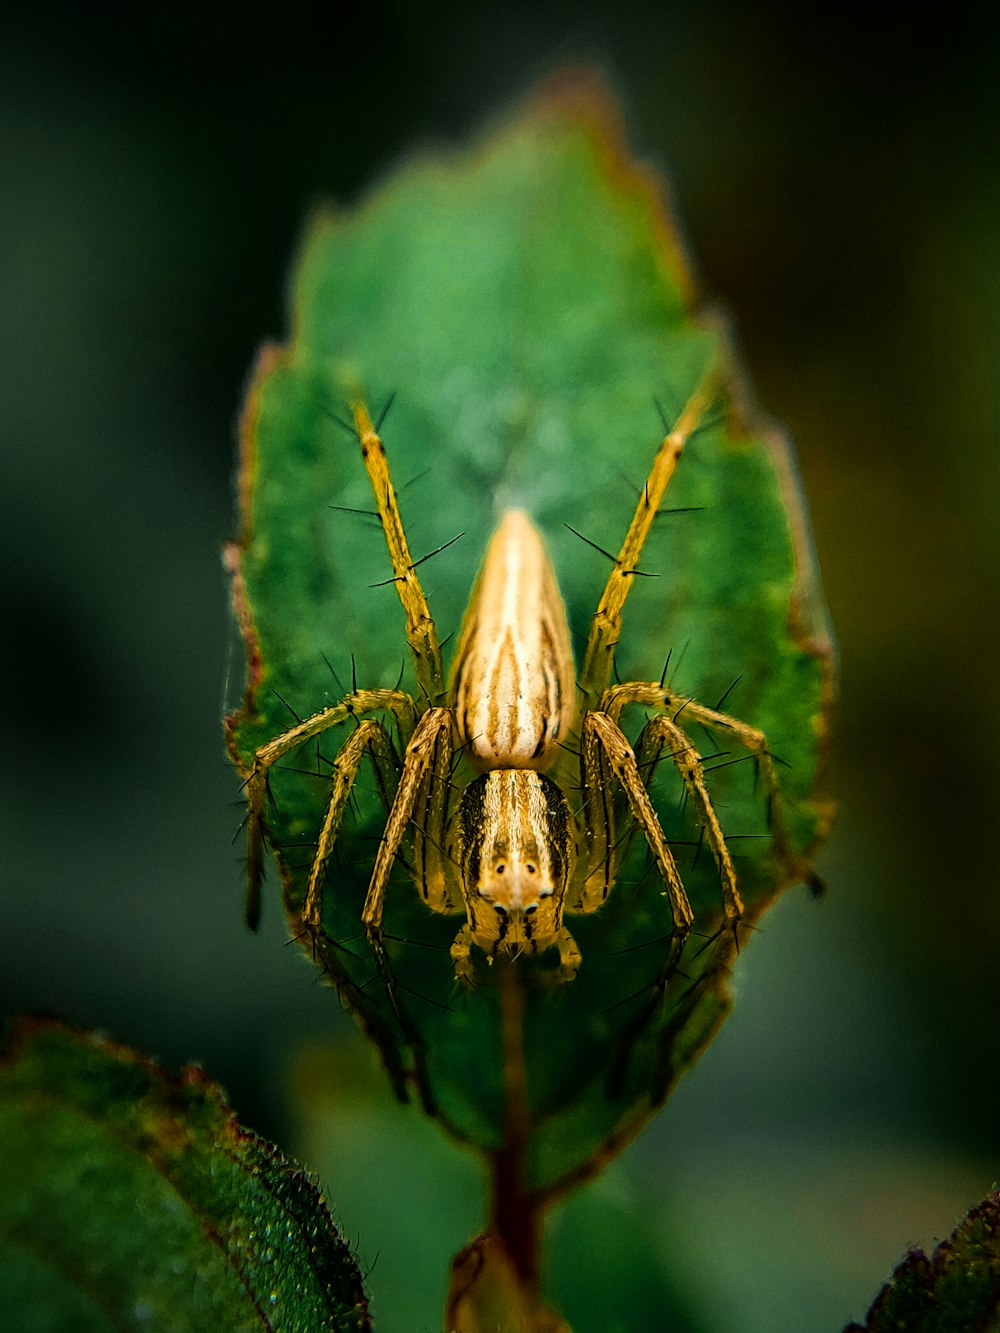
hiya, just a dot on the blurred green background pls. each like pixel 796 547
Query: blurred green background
pixel 840 190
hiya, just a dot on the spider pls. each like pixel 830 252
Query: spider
pixel 511 853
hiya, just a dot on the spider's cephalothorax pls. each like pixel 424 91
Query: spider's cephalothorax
pixel 515 840
pixel 509 849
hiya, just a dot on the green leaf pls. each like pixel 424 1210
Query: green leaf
pixel 132 1199
pixel 527 302
pixel 956 1290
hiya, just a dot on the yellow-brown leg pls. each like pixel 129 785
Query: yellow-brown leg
pixel 594 874
pixel 434 870
pixel 603 737
pixel 370 737
pixel 421 633
pixel 662 732
pixel 649 694
pixel 431 736
pixel 354 705
pixel 605 628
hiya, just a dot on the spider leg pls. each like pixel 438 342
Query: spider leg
pixel 430 738
pixel 654 695
pixel 602 738
pixel 370 737
pixel 434 870
pixel 421 632
pixel 353 705
pixel 605 628
pixel 659 732
pixel 595 871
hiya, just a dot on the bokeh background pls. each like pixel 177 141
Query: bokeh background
pixel 840 189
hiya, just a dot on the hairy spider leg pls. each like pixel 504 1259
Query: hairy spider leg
pixel 662 733
pixel 602 739
pixel 605 627
pixel 650 694
pixel 356 704
pixel 422 793
pixel 605 752
pixel 428 750
pixel 421 632
pixel 372 738
pixel 433 865
pixel 422 637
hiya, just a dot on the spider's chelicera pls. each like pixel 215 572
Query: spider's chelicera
pixel 512 853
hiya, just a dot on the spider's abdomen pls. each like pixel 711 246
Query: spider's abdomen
pixel 513 680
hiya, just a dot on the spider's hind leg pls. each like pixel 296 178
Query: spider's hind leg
pixel 605 629
pixel 421 632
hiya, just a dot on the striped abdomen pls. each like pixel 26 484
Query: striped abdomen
pixel 513 682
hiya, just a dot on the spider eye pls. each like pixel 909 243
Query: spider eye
pixel 530 868
pixel 501 868
pixel 500 911
pixel 533 908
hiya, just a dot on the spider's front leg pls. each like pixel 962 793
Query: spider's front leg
pixel 353 705
pixel 661 735
pixel 370 738
pixel 426 762
pixel 606 752
pixel 660 731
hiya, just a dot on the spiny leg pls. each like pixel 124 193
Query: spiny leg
pixel 370 737
pixel 433 867
pixel 659 732
pixel 431 737
pixel 595 872
pixel 649 694
pixel 421 633
pixel 602 735
pixel 605 627
pixel 353 705
pixel 418 765
pixel 635 777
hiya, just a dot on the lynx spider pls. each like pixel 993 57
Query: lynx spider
pixel 513 855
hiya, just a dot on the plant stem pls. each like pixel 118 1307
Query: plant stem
pixel 496 1280
pixel 516 1216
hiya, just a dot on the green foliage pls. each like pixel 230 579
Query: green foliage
pixel 132 1199
pixel 956 1290
pixel 374 1148
pixel 527 302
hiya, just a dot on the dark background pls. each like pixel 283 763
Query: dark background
pixel 839 186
